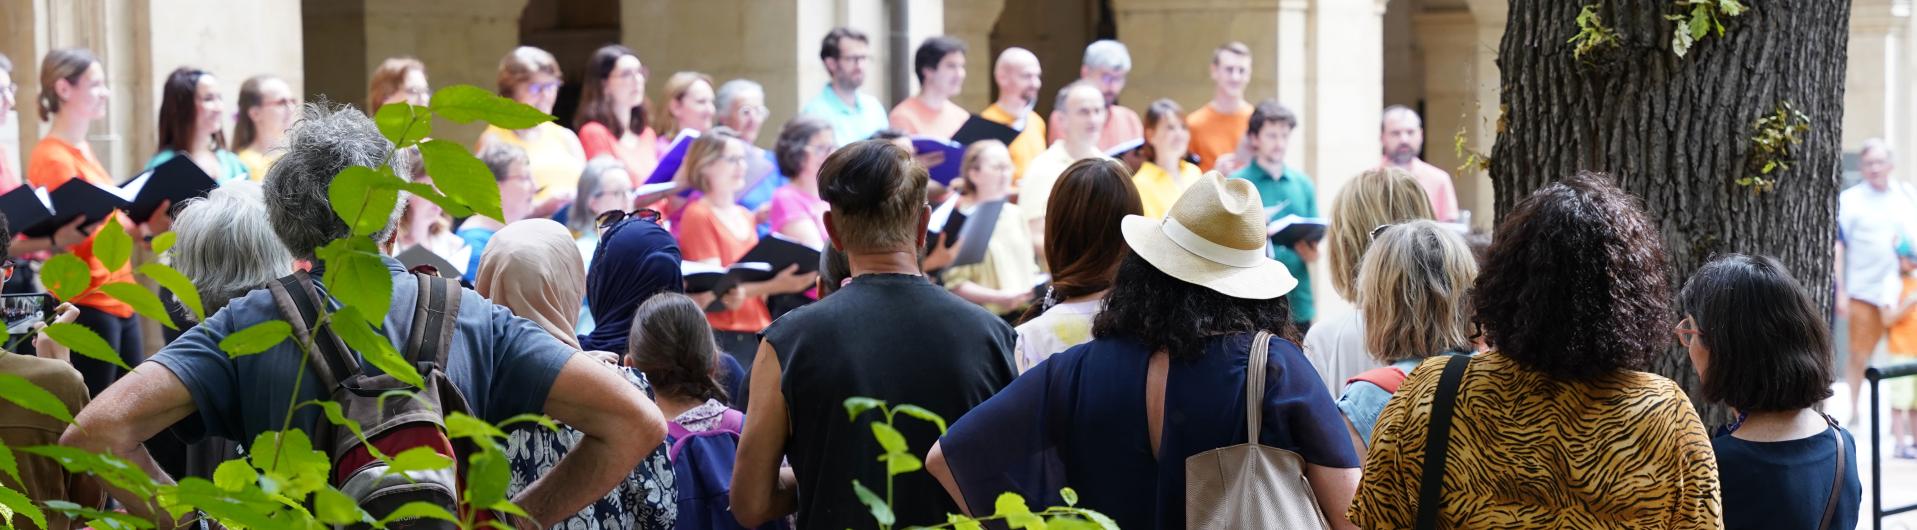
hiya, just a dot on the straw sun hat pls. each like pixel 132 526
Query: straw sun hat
pixel 1214 237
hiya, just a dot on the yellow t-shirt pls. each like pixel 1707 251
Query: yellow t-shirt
pixel 1029 143
pixel 555 157
pixel 1157 190
pixel 257 163
pixel 1010 261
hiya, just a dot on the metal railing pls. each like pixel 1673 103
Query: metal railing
pixel 1877 374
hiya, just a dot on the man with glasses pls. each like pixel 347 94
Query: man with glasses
pixel 854 115
pixel 1105 66
pixel 1217 127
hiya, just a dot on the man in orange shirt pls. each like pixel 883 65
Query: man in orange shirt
pixel 1217 127
pixel 1017 75
pixel 1106 64
pixel 940 65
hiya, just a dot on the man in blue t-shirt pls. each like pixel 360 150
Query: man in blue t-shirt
pixel 1286 191
pixel 502 365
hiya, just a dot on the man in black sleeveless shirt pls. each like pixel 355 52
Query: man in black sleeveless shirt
pixel 890 334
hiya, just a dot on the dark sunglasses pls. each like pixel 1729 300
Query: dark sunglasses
pixel 606 220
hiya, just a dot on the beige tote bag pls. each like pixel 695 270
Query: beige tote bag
pixel 1251 485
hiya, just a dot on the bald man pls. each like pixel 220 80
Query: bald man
pixel 1017 75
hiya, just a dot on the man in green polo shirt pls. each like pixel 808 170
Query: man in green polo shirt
pixel 1286 191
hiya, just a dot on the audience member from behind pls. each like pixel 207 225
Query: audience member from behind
pixel 1085 247
pixel 1218 128
pixel 1573 302
pixel 1402 134
pixel 1018 77
pixel 1377 197
pixel 398 80
pixel 802 375
pixel 42 479
pixel 940 66
pixel 554 155
pixel 267 108
pixel 1004 281
pixel 1286 191
pixel 224 249
pixel 193 124
pixel 1414 282
pixel 854 115
pixel 612 117
pixel 672 344
pixel 1081 117
pixel 1760 345
pixel 1105 66
pixel 239 398
pixel 533 269
pixel 1171 348
pixel 1165 174
pixel 508 166
pixel 636 258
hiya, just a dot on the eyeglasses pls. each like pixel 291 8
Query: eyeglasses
pixel 755 111
pixel 606 220
pixel 820 149
pixel 854 59
pixel 283 102
pixel 1687 332
pixel 542 88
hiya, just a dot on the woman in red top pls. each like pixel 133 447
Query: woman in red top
pixel 716 230
pixel 612 112
pixel 73 93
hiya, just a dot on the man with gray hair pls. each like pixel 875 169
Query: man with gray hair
pixel 1402 133
pixel 1873 219
pixel 1105 66
pixel 502 365
pixel 741 104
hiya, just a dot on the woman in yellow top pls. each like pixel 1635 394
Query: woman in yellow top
pixel 1167 142
pixel 1557 426
pixel 1002 283
pixel 530 75
pixel 267 108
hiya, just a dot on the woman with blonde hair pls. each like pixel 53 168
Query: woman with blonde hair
pixel 715 230
pixel 689 105
pixel 1378 197
pixel 1415 277
pixel 1004 281
pixel 553 153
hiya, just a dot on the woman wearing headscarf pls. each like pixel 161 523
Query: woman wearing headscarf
pixel 533 268
pixel 636 259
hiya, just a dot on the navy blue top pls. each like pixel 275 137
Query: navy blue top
pixel 1078 419
pixel 1786 484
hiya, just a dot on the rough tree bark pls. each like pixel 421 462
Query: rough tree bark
pixel 1676 132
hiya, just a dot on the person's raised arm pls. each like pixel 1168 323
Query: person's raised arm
pixel 760 493
pixel 620 428
pixel 123 416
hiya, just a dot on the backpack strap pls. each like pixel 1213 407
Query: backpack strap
pixel 1836 483
pixel 299 302
pixel 1386 377
pixel 1436 441
pixel 1255 384
pixel 435 316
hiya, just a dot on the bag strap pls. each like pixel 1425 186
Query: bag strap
pixel 1436 442
pixel 1837 481
pixel 435 316
pixel 1255 384
pixel 299 302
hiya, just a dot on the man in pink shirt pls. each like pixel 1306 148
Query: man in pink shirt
pixel 1106 64
pixel 1403 135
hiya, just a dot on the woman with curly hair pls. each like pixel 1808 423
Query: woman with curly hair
pixel 1163 379
pixel 1556 426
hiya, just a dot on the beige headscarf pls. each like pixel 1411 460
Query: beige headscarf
pixel 533 268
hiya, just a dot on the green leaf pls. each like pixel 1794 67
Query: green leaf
pixel 1730 7
pixel 1700 23
pixel 459 425
pixel 1070 496
pixel 417 510
pixel 334 507
pixel 358 278
pixel 85 342
pixel 13 502
pixel 881 512
pixel 487 475
pixel 290 462
pixel 9 466
pixel 247 507
pixel 960 522
pixel 1008 504
pixel 98 519
pixel 164 241
pixel 857 405
pixel 540 419
pixel 66 276
pixel 465 103
pixel 337 416
pixel 112 469
pixel 364 198
pixel 373 347
pixel 181 287
pixel 427 191
pixel 404 124
pixel 901 463
pixel 111 244
pixel 233 475
pixel 462 177
pixel 143 301
pixel 1104 521
pixel 23 393
pixel 258 338
pixel 889 438
pixel 1681 41
pixel 419 458
pixel 1064 522
pixel 923 415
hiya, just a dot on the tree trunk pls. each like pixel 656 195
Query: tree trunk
pixel 1678 132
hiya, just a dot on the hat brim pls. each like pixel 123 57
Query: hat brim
pixel 1268 280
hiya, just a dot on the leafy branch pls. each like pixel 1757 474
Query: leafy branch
pixel 1592 33
pixel 1774 141
pixel 1698 19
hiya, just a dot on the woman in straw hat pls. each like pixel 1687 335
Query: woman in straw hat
pixel 1189 298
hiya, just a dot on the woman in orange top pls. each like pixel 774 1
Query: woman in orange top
pixel 612 112
pixel 717 231
pixel 73 93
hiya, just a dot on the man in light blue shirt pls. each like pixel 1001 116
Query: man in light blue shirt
pixel 854 115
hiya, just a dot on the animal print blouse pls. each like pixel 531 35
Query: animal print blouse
pixel 1527 451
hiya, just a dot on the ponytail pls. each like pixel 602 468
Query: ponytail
pixel 672 343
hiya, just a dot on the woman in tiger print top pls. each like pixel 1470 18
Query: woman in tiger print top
pixel 1556 427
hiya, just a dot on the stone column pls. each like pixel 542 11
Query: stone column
pixel 1873 91
pixel 972 21
pixel 1461 95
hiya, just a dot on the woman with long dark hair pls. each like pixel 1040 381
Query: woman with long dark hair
pixel 192 118
pixel 1084 247
pixel 612 112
